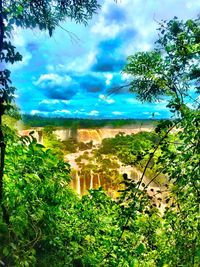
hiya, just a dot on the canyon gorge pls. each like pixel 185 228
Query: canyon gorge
pixel 87 171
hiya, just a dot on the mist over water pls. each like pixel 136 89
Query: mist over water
pixel 86 135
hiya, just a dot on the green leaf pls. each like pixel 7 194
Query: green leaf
pixel 6 251
pixel 140 249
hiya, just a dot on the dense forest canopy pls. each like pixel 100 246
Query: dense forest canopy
pixel 38 121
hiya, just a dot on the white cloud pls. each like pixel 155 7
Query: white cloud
pixel 56 86
pixel 49 101
pixel 145 47
pixel 17 37
pixel 143 17
pixel 110 101
pixel 117 113
pixel 125 76
pixel 102 97
pixel 54 101
pixel 52 79
pixel 19 40
pixel 79 111
pixel 79 64
pixel 140 21
pixel 103 29
pixel 35 112
pixel 62 111
pixel 93 113
pixel 161 101
pixel 106 99
pixel 65 101
pixel 193 5
pixel 109 78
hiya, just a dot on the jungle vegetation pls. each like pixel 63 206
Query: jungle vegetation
pixel 43 223
pixel 39 121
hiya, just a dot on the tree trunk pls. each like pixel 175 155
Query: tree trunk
pixel 91 180
pixel 2 145
pixel 2 157
pixel 2 142
pixel 1 26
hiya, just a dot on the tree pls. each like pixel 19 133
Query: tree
pixel 172 70
pixel 43 14
pixel 36 189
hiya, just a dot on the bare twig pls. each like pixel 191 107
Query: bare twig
pixel 117 89
pixel 74 38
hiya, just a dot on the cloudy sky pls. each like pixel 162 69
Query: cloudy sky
pixel 71 73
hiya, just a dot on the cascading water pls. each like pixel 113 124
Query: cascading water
pixel 78 184
pixel 63 135
pixel 84 135
pixel 99 181
pixel 91 181
pixel 97 135
pixel 83 182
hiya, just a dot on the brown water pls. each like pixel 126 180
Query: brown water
pixel 97 135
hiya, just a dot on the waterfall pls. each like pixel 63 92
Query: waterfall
pixel 99 180
pixel 84 135
pixel 78 184
pixel 40 137
pixel 97 135
pixel 91 180
pixel 38 134
pixel 84 185
pixel 63 135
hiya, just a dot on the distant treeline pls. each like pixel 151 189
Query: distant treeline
pixel 39 121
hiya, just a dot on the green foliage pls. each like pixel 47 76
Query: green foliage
pixel 10 121
pixel 47 15
pixel 69 146
pixel 172 67
pixel 43 223
pixel 128 147
pixel 182 161
pixel 38 121
pixel 173 70
pixel 134 150
pixel 51 142
pixel 50 226
pixel 36 198
pixel 84 146
pixel 62 148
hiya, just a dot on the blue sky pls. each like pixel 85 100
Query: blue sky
pixel 70 74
